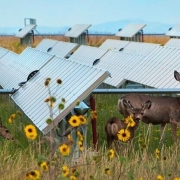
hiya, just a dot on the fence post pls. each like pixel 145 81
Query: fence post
pixel 93 121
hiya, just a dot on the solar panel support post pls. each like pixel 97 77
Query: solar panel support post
pixel 93 120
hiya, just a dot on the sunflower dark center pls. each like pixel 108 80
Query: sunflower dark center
pixel 74 121
pixel 64 149
pixel 30 130
pixel 124 135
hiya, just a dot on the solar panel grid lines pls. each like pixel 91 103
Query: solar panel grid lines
pixel 167 69
pixel 173 42
pixel 140 71
pixel 88 54
pixel 3 51
pixel 151 68
pixel 140 48
pixel 160 65
pixel 143 65
pixel 76 78
pixel 45 44
pixel 118 64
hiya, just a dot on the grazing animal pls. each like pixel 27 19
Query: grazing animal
pixel 112 127
pixel 4 132
pixel 163 110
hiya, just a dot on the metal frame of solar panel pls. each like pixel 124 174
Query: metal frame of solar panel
pixel 78 81
pixel 156 70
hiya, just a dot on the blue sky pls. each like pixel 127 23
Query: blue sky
pixel 57 13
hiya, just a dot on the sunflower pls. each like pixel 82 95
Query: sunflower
pixel 64 149
pixel 74 121
pixel 123 135
pixel 65 171
pixel 130 122
pixel 107 171
pixel 177 178
pixel 111 154
pixel 33 175
pixel 159 177
pixel 44 166
pixel 82 119
pixel 73 177
pixel 31 132
pixel 157 152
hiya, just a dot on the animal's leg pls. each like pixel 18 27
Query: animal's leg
pixel 174 131
pixel 109 141
pixel 163 128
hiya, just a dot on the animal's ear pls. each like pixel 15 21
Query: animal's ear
pixel 176 76
pixel 127 104
pixel 147 105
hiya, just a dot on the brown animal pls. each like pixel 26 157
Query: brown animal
pixel 112 127
pixel 163 110
pixel 4 132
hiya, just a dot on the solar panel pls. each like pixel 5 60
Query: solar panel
pixel 140 48
pixel 22 33
pixel 5 67
pixel 46 44
pixel 130 30
pixel 3 51
pixel 173 42
pixel 58 48
pixel 114 44
pixel 87 54
pixel 156 70
pixel 175 31
pixel 118 64
pixel 78 81
pixel 77 30
pixel 17 70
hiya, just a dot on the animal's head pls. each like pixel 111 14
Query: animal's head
pixel 4 132
pixel 136 113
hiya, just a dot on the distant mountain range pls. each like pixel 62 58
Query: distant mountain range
pixel 104 28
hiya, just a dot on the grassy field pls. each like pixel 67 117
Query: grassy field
pixel 144 159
